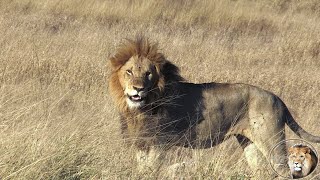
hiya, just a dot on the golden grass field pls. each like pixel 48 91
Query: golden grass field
pixel 57 120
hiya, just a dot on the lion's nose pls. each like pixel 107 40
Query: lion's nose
pixel 296 163
pixel 138 89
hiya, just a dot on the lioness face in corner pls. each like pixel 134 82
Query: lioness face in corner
pixel 137 77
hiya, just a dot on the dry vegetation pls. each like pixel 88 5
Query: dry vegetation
pixel 56 119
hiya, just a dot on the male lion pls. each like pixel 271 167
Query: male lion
pixel 158 109
pixel 302 161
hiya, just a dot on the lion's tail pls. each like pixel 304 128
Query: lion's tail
pixel 296 128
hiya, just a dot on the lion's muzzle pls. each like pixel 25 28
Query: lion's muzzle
pixel 135 97
pixel 297 166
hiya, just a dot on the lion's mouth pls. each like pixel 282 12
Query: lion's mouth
pixel 297 168
pixel 136 98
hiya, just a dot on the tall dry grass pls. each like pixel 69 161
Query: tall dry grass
pixel 56 119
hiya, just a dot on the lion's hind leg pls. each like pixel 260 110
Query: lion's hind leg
pixel 256 160
pixel 265 129
pixel 258 141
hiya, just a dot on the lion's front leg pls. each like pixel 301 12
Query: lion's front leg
pixel 149 160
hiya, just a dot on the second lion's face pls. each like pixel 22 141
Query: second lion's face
pixel 299 159
pixel 137 78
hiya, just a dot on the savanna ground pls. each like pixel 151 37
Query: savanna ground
pixel 57 120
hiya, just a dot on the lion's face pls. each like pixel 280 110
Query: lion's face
pixel 299 159
pixel 137 77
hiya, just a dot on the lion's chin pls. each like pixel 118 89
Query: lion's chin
pixel 134 104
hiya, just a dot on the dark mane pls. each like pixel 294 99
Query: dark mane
pixel 171 73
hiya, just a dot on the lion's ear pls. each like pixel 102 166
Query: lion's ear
pixel 307 150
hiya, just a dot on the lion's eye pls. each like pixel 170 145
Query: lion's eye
pixel 301 156
pixel 129 72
